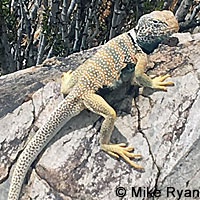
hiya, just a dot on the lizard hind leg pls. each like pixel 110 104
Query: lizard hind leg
pixel 98 105
pixel 66 82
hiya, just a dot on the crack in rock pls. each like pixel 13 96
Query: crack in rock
pixel 149 146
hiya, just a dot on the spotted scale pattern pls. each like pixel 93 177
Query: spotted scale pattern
pixel 103 68
pixel 66 110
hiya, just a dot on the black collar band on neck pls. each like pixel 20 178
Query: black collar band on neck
pixel 132 39
pixel 145 50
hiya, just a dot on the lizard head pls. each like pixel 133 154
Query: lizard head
pixel 154 27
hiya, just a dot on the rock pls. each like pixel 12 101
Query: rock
pixel 183 37
pixel 196 36
pixel 162 126
pixel 32 79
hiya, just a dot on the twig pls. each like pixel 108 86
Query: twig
pixel 89 40
pixel 41 49
pixel 194 12
pixel 88 20
pixel 77 28
pixel 183 10
pixel 115 20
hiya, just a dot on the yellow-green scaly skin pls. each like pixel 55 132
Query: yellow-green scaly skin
pixel 103 69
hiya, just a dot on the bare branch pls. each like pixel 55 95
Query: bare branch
pixel 51 50
pixel 7 63
pixel 19 36
pixel 41 48
pixel 88 20
pixel 64 18
pixel 194 12
pixel 64 11
pixel 77 27
pixel 115 19
pixel 183 10
pixel 71 8
pixel 12 5
pixel 192 22
pixel 89 40
pixel 33 14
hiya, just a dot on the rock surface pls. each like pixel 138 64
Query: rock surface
pixel 162 126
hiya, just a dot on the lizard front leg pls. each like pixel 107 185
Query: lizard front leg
pixel 146 81
pixel 159 83
pixel 98 105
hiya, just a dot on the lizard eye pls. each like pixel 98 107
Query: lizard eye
pixel 155 21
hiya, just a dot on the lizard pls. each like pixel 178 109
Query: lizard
pixel 102 69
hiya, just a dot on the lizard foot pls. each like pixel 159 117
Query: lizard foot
pixel 159 83
pixel 122 150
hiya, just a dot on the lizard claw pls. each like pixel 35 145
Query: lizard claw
pixel 160 83
pixel 122 150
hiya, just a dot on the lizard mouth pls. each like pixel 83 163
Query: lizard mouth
pixel 173 29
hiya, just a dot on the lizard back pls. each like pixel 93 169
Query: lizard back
pixel 105 67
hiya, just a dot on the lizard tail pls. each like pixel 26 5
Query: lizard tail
pixel 68 108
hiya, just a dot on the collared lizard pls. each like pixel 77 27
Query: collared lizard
pixel 102 69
